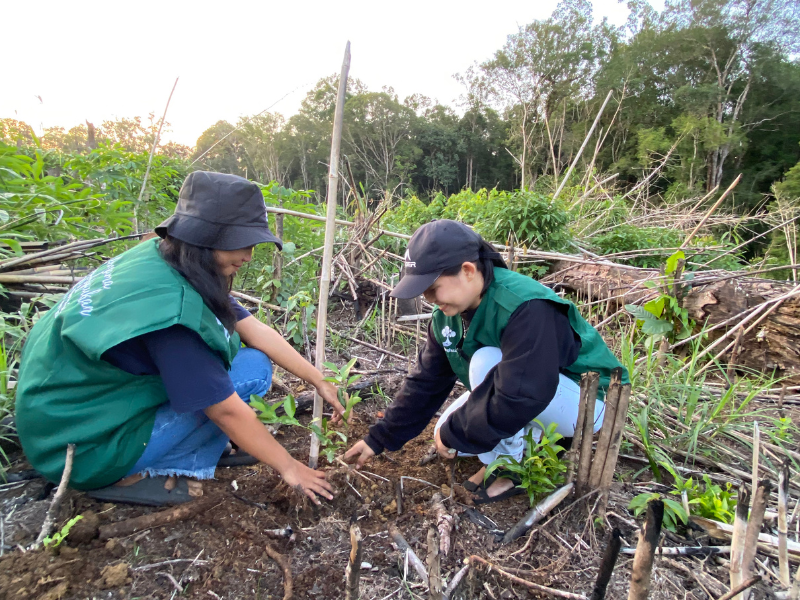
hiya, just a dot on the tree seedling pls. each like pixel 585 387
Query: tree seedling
pixel 54 541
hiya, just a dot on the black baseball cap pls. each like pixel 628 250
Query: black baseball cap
pixel 435 247
pixel 220 211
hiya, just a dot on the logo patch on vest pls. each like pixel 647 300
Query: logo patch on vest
pixel 410 264
pixel 447 333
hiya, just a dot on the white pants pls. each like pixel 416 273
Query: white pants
pixel 562 410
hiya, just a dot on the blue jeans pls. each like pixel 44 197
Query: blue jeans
pixel 190 444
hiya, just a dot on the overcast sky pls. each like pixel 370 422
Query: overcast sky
pixel 102 60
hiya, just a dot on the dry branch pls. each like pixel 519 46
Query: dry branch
pixel 455 582
pixel 52 511
pixel 645 551
pixel 164 517
pixel 353 570
pixel 443 521
pixel 283 562
pixel 537 513
pixel 529 584
pixel 403 546
pixel 741 588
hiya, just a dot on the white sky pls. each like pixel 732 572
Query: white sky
pixel 102 60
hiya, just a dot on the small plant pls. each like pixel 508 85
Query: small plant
pixel 55 540
pixel 710 500
pixel 343 380
pixel 299 318
pixel 330 440
pixel 267 413
pixel 673 511
pixel 665 315
pixel 540 471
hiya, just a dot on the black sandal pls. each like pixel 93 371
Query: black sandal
pixel 474 487
pixel 150 491
pixel 482 496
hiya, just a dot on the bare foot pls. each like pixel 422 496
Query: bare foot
pixel 499 486
pixel 477 479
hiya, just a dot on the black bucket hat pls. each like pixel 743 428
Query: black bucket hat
pixel 434 248
pixel 224 212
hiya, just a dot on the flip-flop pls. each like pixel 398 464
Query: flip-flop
pixel 239 459
pixel 149 491
pixel 474 487
pixel 482 496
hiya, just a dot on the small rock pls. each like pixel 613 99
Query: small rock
pixel 114 576
pixel 235 486
pixel 365 566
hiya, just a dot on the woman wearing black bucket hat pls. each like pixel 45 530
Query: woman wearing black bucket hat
pixel 140 364
pixel 516 345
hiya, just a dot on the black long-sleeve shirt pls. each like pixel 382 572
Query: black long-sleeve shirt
pixel 537 344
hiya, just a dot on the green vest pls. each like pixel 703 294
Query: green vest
pixel 505 294
pixel 68 394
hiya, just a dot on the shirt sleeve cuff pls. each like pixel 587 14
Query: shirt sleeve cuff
pixel 373 444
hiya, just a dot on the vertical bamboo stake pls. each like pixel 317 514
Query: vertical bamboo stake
pixel 607 565
pixel 783 526
pixel 760 499
pixel 353 571
pixel 610 464
pixel 585 460
pixel 737 537
pixel 327 256
pixel 609 420
pixel 574 450
pixel 645 551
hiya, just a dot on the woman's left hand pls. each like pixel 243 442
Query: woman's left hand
pixel 330 394
pixel 443 450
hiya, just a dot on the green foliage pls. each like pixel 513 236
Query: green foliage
pixel 342 378
pixel 299 318
pixel 267 413
pixel 627 238
pixel 673 511
pixel 665 315
pixel 709 500
pixel 540 471
pixel 55 540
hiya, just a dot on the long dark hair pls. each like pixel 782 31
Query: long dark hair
pixel 199 267
pixel 488 259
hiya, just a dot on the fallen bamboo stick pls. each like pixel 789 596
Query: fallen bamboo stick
pixel 443 521
pixel 403 546
pixel 686 550
pixel 585 459
pixel 368 345
pixel 52 511
pixel 529 584
pixel 434 566
pixel 287 571
pixel 257 301
pixel 455 582
pixel 164 517
pixel 766 543
pixel 741 588
pixel 756 454
pixel 607 565
pixel 352 573
pixel 537 513
pixel 783 526
pixel 645 551
pixel 711 211
pixel 609 421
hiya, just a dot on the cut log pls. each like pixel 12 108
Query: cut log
pixel 714 298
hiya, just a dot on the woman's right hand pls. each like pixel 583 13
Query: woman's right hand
pixel 360 452
pixel 308 481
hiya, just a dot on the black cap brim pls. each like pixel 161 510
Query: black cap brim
pixel 411 286
pixel 212 235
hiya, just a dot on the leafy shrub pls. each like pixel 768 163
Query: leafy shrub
pixel 540 471
pixel 673 511
pixel 626 238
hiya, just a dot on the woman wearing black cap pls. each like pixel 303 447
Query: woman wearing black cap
pixel 140 364
pixel 516 345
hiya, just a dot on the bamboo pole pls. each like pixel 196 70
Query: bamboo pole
pixel 760 499
pixel 783 541
pixel 711 211
pixel 353 570
pixel 574 451
pixel 645 551
pixel 609 420
pixel 327 256
pixel 402 546
pixel 607 565
pixel 610 463
pixel 434 566
pixel 737 537
pixel 580 150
